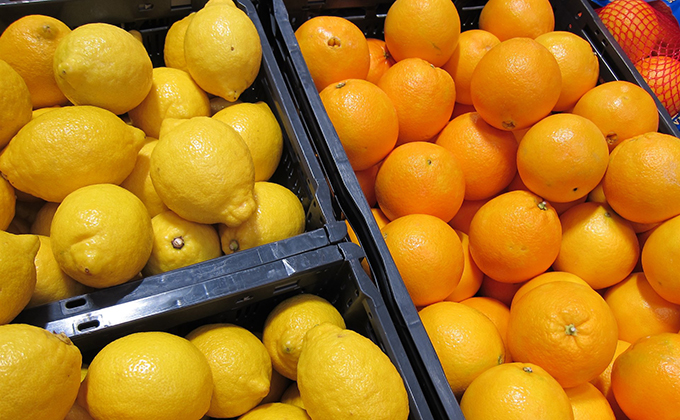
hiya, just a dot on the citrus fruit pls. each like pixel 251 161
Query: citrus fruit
pixel 15 103
pixel 277 386
pixel 380 59
pixel 366 179
pixel 603 382
pixel 497 311
pixel 499 290
pixel 139 181
pixel 276 411
pixel 634 25
pixel 588 403
pixel 662 74
pixel 517 18
pixel 17 253
pixel 292 396
pixel 173 47
pixel 461 221
pixel 42 221
pixel 659 260
pixel 78 413
pixel 546 277
pixel 471 279
pixel 8 201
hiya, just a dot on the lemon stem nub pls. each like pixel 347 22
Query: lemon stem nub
pixel 527 369
pixel 233 246
pixel 178 242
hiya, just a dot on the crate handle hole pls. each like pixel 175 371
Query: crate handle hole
pixel 75 303
pixel 88 325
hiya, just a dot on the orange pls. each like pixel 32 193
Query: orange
pixel 598 245
pixel 566 328
pixel 504 292
pixel 460 109
pixel 423 95
pixel 498 313
pixel 461 221
pixel 422 29
pixel 515 236
pixel 420 177
pixel 603 382
pixel 518 184
pixel 578 63
pixel 620 109
pixel 646 378
pixel 428 254
pixel 380 217
pixel 517 18
pixel 515 84
pixel 334 49
pixel 634 25
pixel 28 45
pixel 596 195
pixel 472 276
pixel 381 59
pixel 515 391
pixel 562 157
pixel 660 260
pixel 486 154
pixel 366 178
pixel 466 341
pixel 364 118
pixel 640 183
pixel 662 74
pixel 544 278
pixel 588 403
pixel 472 45
pixel 639 310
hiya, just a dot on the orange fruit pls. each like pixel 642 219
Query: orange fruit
pixel 562 157
pixel 472 276
pixel 466 341
pixel 379 217
pixel 634 25
pixel 620 109
pixel 646 378
pixel 603 382
pixel 472 45
pixel 366 180
pixel 578 63
pixel 420 177
pixel 640 180
pixel 380 59
pixel 660 260
pixel 460 109
pixel 334 49
pixel 486 154
pixel 28 45
pixel 662 74
pixel 364 118
pixel 423 95
pixel 515 391
pixel 515 84
pixel 428 254
pixel 588 403
pixel 544 278
pixel 517 18
pixel 422 29
pixel 461 221
pixel 504 292
pixel 518 184
pixel 515 236
pixel 498 313
pixel 598 245
pixel 566 328
pixel 639 310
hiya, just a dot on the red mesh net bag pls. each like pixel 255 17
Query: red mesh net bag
pixel 649 34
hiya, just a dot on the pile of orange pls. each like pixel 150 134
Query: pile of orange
pixel 516 186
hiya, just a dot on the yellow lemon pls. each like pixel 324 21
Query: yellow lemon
pixel 78 413
pixel 277 386
pixel 173 48
pixel 103 65
pixel 202 170
pixel 214 2
pixel 278 215
pixel 138 35
pixel 16 108
pixel 286 326
pixel 173 94
pixel 344 375
pixel 276 411
pixel 28 45
pixel 39 377
pixel 292 396
pixel 223 50
pixel 178 243
pixel 17 283
pixel 8 200
pixel 147 375
pixel 43 219
pixel 47 157
pixel 240 365
pixel 261 131
pixel 101 235
pixel 139 181
pixel 52 283
pixel 39 111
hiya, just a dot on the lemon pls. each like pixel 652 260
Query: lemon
pixel 101 235
pixel 103 65
pixel 275 411
pixel 286 326
pixel 28 45
pixel 39 373
pixel 277 386
pixel 139 181
pixel 16 108
pixel 223 50
pixel 173 94
pixel 241 367
pixel 78 413
pixel 147 375
pixel 52 283
pixel 43 219
pixel 173 48
pixel 138 35
pixel 344 375
pixel 203 171
pixel 68 148
pixel 8 200
pixel 258 126
pixel 17 283
pixel 178 243
pixel 218 2
pixel 38 112
pixel 278 215
pixel 292 396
